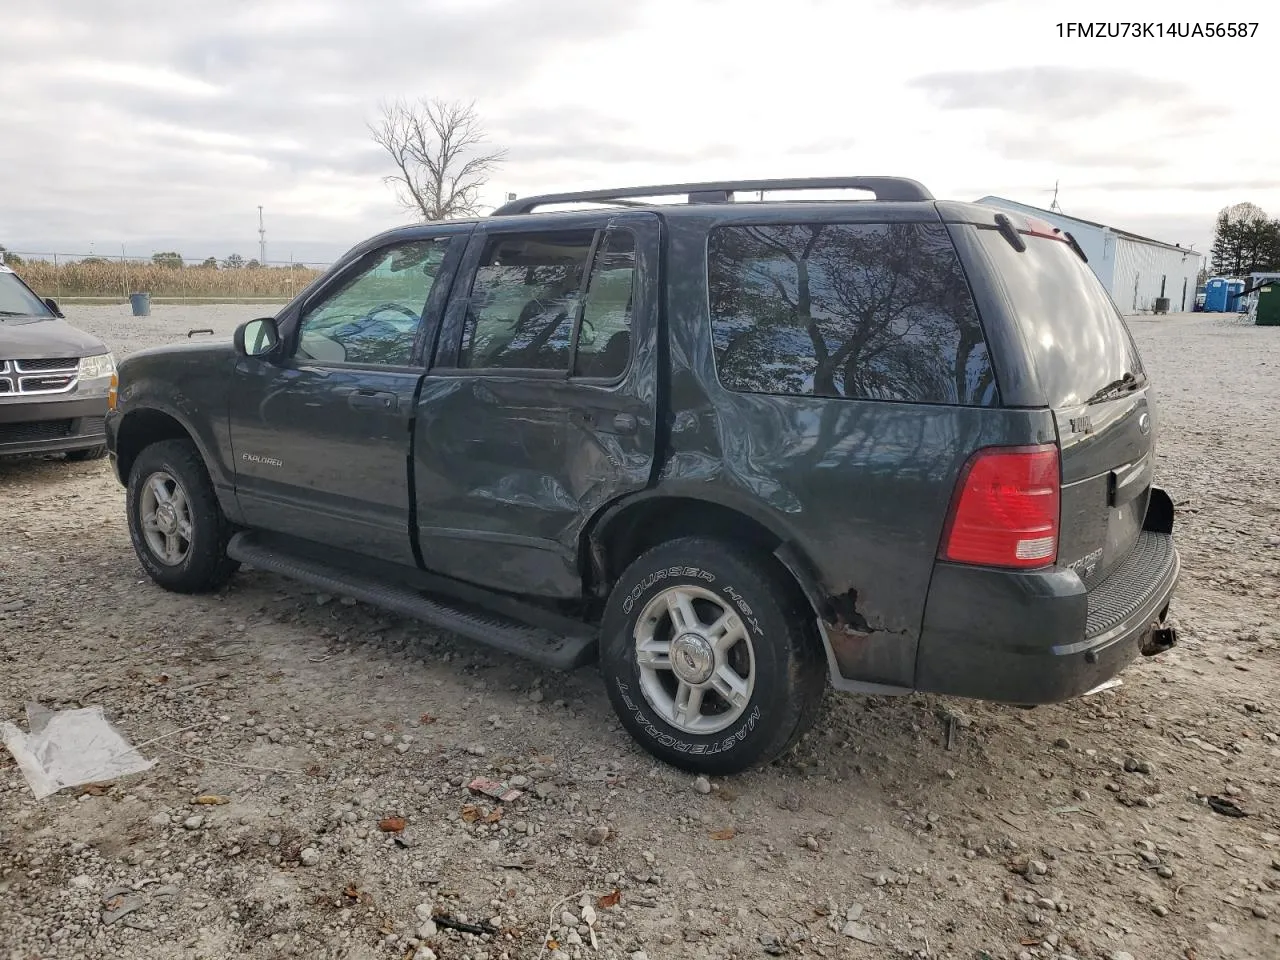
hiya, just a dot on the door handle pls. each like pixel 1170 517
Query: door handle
pixel 624 423
pixel 373 400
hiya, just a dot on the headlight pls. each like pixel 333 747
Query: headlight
pixel 95 368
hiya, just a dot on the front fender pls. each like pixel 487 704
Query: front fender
pixel 186 387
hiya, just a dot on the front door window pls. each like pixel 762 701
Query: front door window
pixel 375 315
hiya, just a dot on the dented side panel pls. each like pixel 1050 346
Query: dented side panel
pixel 510 465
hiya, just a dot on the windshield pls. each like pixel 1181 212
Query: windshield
pixel 1082 348
pixel 17 300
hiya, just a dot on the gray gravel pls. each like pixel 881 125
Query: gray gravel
pixel 124 333
pixel 1026 835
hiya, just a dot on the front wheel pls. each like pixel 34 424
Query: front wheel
pixel 710 656
pixel 178 530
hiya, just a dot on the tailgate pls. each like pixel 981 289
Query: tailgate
pixel 1092 377
pixel 1107 470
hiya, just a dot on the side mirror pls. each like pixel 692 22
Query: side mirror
pixel 52 304
pixel 257 338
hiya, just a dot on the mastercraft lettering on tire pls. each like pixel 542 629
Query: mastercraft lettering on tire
pixel 737 451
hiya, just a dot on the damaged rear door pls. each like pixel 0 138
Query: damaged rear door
pixel 541 404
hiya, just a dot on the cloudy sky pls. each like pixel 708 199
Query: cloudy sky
pixel 165 124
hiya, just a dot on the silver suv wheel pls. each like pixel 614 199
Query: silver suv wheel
pixel 696 660
pixel 166 518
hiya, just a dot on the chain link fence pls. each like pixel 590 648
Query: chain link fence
pixel 94 278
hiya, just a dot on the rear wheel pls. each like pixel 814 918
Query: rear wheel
pixel 178 530
pixel 710 656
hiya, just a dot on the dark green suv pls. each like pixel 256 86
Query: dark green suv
pixel 740 451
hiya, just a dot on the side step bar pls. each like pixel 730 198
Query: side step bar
pixel 537 644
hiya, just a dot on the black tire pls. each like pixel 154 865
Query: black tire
pixel 790 674
pixel 205 566
pixel 89 453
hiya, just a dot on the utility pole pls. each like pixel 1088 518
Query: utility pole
pixel 262 239
pixel 1054 204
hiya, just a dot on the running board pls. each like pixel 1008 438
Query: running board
pixel 536 644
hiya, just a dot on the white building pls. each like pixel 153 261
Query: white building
pixel 1136 270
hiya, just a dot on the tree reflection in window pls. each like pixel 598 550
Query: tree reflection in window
pixel 875 311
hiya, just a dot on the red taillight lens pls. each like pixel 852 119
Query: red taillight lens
pixel 1005 511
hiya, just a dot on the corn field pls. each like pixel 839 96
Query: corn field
pixel 116 279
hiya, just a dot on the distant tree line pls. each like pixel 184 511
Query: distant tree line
pixel 1245 240
pixel 168 258
pixel 174 261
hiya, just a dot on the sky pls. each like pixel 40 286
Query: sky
pixel 149 125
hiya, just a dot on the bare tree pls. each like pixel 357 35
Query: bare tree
pixel 439 150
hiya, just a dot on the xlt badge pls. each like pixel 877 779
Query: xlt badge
pixel 1085 566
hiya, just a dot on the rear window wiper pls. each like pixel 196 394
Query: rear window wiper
pixel 1075 246
pixel 1126 384
pixel 1010 232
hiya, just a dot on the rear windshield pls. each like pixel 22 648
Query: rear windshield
pixel 17 300
pixel 1082 348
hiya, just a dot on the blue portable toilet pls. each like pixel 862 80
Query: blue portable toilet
pixel 1234 300
pixel 1215 295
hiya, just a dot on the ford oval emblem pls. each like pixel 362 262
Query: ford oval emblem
pixel 1144 423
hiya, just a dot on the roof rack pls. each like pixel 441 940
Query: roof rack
pixel 884 188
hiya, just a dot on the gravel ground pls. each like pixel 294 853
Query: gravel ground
pixel 1080 830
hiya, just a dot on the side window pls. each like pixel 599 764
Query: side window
pixel 875 311
pixel 524 301
pixel 374 317
pixel 604 342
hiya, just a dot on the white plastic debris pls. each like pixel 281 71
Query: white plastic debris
pixel 66 748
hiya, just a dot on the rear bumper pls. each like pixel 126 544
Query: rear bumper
pixel 52 426
pixel 1032 638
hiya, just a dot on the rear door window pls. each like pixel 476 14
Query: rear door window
pixel 524 301
pixel 604 340
pixel 530 308
pixel 1082 349
pixel 868 311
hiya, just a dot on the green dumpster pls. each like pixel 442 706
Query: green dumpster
pixel 1268 314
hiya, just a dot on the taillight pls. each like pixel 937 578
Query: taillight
pixel 1005 509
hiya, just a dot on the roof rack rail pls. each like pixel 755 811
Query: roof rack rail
pixel 885 189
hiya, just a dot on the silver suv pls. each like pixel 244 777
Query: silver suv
pixel 54 379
